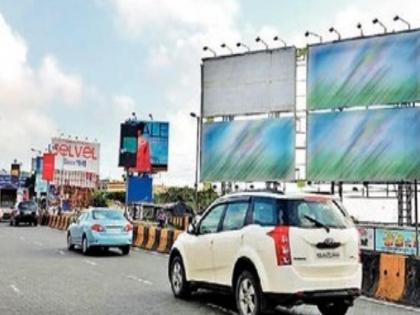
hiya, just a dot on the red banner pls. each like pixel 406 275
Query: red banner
pixel 48 167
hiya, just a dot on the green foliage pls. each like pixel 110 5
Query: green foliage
pixel 173 194
pixel 186 194
pixel 99 199
pixel 117 195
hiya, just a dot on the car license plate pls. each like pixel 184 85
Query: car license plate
pixel 328 255
pixel 113 230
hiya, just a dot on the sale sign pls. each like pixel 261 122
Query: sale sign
pixel 76 156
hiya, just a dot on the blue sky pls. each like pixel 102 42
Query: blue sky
pixel 80 67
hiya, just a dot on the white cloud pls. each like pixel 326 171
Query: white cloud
pixel 26 96
pixel 175 32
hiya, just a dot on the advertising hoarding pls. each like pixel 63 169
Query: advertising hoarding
pixel 144 146
pixel 367 237
pixel 256 82
pixel 375 70
pixel 41 185
pixel 374 145
pixel 140 189
pixel 12 182
pixel 48 166
pixel 395 241
pixel 76 156
pixel 248 150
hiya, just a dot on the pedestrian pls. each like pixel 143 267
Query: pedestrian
pixel 161 218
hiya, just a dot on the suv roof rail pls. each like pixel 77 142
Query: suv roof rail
pixel 264 190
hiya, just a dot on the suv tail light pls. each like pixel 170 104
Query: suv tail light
pixel 280 234
pixel 128 228
pixel 97 228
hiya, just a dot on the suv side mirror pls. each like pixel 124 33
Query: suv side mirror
pixel 354 219
pixel 193 227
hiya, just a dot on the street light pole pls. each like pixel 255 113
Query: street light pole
pixel 197 157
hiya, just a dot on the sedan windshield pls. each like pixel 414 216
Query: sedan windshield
pixel 107 215
pixel 27 206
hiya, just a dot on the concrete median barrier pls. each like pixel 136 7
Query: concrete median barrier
pixel 153 238
pixel 411 294
pixel 391 277
pixel 165 240
pixel 54 221
pixel 141 237
pixel 370 261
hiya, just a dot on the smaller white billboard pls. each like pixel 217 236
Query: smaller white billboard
pixel 76 156
pixel 250 83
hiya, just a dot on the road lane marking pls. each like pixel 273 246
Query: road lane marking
pixel 389 304
pixel 146 282
pixel 15 289
pixel 38 243
pixel 62 253
pixel 90 262
pixel 22 238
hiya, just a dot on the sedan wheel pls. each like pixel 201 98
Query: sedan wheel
pixel 70 245
pixel 85 246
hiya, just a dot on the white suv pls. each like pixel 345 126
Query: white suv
pixel 271 249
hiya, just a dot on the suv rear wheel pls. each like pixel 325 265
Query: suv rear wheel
pixel 334 308
pixel 179 284
pixel 248 294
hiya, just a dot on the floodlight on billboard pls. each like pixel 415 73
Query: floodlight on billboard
pixel 375 70
pixel 144 146
pixel 375 145
pixel 248 150
pixel 249 83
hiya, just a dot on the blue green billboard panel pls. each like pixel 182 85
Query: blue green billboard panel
pixel 368 71
pixel 374 145
pixel 248 150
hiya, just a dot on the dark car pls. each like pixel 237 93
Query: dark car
pixel 25 211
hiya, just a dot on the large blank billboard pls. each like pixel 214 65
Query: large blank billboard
pixel 248 150
pixel 369 71
pixel 250 83
pixel 374 145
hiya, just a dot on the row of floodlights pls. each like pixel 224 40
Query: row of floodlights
pixel 307 34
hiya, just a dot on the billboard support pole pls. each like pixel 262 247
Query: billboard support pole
pixel 126 192
pixel 47 196
pixel 197 157
pixel 416 216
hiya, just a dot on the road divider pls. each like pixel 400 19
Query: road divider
pixel 154 238
pixel 391 277
pixel 59 222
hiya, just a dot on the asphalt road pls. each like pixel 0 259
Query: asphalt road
pixel 39 276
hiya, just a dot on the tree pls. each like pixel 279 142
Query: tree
pixel 99 199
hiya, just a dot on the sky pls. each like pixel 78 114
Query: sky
pixel 81 67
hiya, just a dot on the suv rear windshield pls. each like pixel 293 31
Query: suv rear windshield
pixel 27 205
pixel 298 213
